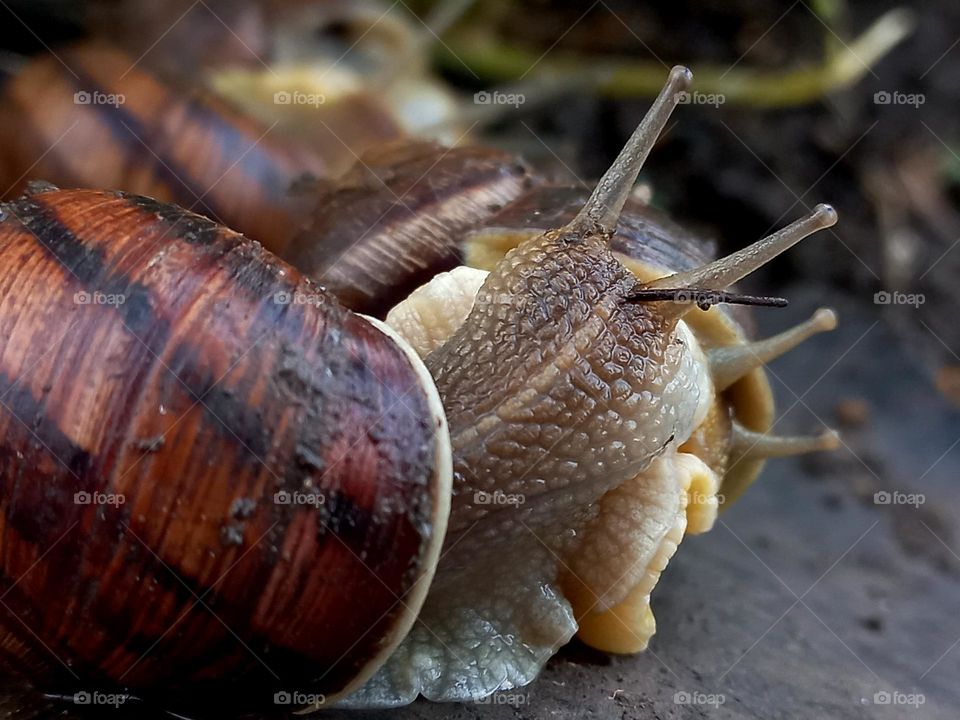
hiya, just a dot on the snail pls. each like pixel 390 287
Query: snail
pixel 245 492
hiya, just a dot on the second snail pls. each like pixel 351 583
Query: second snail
pixel 508 461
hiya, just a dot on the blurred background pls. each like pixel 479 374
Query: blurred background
pixel 820 594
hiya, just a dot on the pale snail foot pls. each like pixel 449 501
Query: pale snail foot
pixel 492 619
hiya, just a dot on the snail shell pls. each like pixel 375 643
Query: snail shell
pixel 94 117
pixel 199 503
pixel 396 219
pixel 106 123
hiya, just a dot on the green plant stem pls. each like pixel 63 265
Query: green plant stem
pixel 497 62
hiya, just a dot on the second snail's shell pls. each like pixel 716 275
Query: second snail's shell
pixel 231 486
pixel 96 119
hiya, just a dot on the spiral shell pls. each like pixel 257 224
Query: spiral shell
pixel 233 460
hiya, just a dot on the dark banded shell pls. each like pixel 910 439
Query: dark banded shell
pixel 93 117
pixel 398 218
pixel 283 473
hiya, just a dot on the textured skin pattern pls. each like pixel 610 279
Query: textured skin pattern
pixel 557 390
pixel 197 400
pixel 556 383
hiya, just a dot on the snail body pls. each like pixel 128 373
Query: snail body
pixel 558 408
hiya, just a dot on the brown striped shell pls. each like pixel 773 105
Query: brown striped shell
pixel 214 479
pixel 397 218
pixel 219 140
pixel 95 117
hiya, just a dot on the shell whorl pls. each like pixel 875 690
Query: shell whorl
pixel 277 456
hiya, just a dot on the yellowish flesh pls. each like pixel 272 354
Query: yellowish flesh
pixel 629 543
pixel 624 629
pixel 433 312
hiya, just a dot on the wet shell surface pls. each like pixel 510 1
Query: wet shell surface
pixel 108 123
pixel 238 488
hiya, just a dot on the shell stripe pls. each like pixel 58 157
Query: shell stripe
pixel 240 149
pixel 88 266
pixel 132 134
pixel 233 418
pixel 419 205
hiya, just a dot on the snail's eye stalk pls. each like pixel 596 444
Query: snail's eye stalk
pixel 602 210
pixel 724 272
pixel 721 274
pixel 703 298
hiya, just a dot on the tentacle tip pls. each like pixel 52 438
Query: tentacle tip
pixel 829 440
pixel 681 77
pixel 824 215
pixel 825 319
